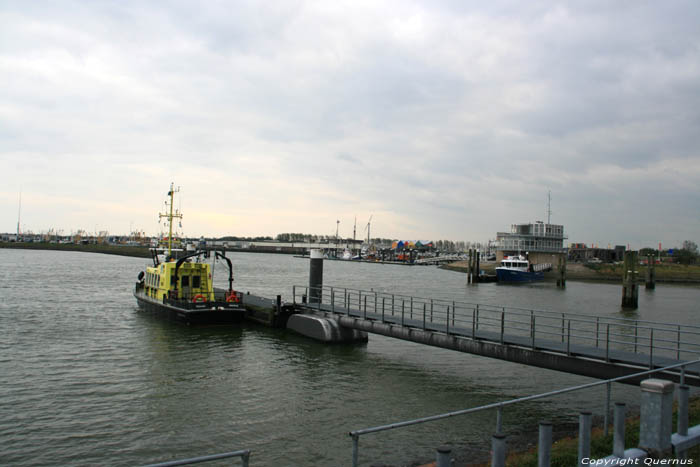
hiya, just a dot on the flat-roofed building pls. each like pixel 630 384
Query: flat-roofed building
pixel 540 241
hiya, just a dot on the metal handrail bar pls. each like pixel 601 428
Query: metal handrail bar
pixel 244 454
pixel 489 307
pixel 499 405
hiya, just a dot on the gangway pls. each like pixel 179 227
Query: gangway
pixel 589 345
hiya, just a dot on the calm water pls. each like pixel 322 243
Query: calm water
pixel 87 379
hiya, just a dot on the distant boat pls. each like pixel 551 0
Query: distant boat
pixel 517 269
pixel 347 255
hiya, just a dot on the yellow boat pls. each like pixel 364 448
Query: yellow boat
pixel 182 288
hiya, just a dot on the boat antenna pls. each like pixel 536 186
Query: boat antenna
pixel 170 216
pixel 549 206
pixel 19 212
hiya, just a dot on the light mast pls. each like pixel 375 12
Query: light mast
pixel 170 216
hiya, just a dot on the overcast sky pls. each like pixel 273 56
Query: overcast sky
pixel 442 120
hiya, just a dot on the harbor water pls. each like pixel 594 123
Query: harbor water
pixel 89 380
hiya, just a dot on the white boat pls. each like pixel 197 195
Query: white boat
pixel 517 269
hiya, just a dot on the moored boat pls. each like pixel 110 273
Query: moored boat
pixel 182 288
pixel 517 269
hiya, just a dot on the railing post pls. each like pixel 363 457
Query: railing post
pixel 294 294
pixel 345 301
pixel 619 430
pixel 607 342
pixel 443 456
pixel 403 307
pixel 411 315
pixel 383 299
pixel 532 329
pixel 473 322
pixel 597 327
pixel 568 339
pixel 392 304
pixel 359 301
pixel 498 450
pixel 678 344
pixel 365 317
pixel 499 419
pixel 562 328
pixel 503 321
pixel 375 302
pixel 544 446
pixel 636 330
pixel 454 312
pixel 447 322
pixel 424 305
pixel 606 419
pixel 431 310
pixel 651 348
pixel 584 437
pixel 332 300
pixel 683 391
pixel 355 449
pixel 477 316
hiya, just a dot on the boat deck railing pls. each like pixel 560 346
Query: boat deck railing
pixel 194 300
pixel 526 326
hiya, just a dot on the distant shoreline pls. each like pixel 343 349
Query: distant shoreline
pixel 665 273
pixel 121 250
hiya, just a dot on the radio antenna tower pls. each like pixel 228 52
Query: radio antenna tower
pixel 19 212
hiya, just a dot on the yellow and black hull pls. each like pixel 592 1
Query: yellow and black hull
pixel 191 313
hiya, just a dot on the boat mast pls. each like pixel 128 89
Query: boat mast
pixel 170 216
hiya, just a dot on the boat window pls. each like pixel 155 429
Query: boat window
pixel 185 281
pixel 196 282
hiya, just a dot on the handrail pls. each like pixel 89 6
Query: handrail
pixel 355 434
pixel 244 454
pixel 491 307
pixel 640 336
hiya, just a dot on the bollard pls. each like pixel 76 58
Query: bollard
pixel 655 423
pixel 498 450
pixel 443 456
pixel 544 447
pixel 619 430
pixel 584 437
pixel 315 276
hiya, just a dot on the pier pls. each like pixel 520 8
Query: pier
pixel 594 346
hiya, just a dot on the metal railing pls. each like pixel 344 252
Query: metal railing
pixel 572 332
pixel 355 435
pixel 244 454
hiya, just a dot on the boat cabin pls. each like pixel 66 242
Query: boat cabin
pixel 515 262
pixel 182 280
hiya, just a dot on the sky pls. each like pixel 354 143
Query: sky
pixel 441 120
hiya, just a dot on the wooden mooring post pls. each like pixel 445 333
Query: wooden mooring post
pixel 651 273
pixel 629 280
pixel 561 271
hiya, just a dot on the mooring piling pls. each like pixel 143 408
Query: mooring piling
pixel 561 271
pixel 315 276
pixel 629 280
pixel 651 273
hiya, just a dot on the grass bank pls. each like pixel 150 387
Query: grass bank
pixel 121 250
